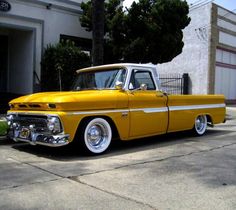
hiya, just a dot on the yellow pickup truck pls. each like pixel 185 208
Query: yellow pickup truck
pixel 111 101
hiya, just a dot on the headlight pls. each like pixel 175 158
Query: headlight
pixel 10 118
pixel 11 106
pixel 54 124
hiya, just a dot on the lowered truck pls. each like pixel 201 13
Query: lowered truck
pixel 111 101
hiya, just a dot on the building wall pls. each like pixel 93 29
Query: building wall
pixel 209 54
pixel 225 77
pixel 195 56
pixel 46 20
pixel 60 18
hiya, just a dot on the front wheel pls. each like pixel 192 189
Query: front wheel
pixel 96 135
pixel 200 125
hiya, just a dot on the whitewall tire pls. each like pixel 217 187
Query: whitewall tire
pixel 200 125
pixel 97 135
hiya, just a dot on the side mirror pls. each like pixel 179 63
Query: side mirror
pixel 143 87
pixel 119 85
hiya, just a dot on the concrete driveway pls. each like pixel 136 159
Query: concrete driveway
pixel 176 171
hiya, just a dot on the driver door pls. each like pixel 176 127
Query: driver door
pixel 148 111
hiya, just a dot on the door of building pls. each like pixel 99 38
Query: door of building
pixel 3 63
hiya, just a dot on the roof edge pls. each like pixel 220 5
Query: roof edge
pixel 117 65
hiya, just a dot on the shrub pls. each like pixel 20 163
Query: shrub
pixel 3 127
pixel 61 61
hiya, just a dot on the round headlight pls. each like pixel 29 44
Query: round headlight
pixel 54 124
pixel 10 118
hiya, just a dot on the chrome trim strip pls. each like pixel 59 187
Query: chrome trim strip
pixel 145 110
pixel 38 113
pixel 151 110
pixel 191 107
pixel 42 143
pixel 98 112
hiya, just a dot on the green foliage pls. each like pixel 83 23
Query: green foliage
pixel 62 59
pixel 3 127
pixel 149 31
pixel 111 8
pixel 86 18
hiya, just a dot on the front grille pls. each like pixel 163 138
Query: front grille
pixel 38 122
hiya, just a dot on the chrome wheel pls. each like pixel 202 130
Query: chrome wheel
pixel 97 135
pixel 200 125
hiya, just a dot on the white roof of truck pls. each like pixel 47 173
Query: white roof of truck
pixel 120 65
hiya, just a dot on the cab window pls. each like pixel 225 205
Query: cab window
pixel 139 77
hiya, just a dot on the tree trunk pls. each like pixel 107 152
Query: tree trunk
pixel 98 31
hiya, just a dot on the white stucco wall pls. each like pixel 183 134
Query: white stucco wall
pixel 194 58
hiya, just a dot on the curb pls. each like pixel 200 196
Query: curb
pixel 3 137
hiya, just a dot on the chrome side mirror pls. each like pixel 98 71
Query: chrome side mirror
pixel 119 85
pixel 143 87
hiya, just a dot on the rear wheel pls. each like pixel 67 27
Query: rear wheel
pixel 200 125
pixel 96 135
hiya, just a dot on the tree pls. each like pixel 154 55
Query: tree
pixel 98 31
pixel 93 20
pixel 149 31
pixel 111 10
pixel 59 65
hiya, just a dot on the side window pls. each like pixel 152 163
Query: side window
pixel 141 77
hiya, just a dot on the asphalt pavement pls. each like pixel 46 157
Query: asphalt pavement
pixel 175 171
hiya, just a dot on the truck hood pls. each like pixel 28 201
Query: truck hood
pixel 74 100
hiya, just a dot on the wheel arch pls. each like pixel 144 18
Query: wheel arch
pixel 209 118
pixel 115 133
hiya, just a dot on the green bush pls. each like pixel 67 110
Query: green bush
pixel 61 60
pixel 3 127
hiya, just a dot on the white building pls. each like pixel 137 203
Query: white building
pixel 26 28
pixel 209 53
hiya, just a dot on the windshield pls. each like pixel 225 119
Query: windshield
pixel 99 79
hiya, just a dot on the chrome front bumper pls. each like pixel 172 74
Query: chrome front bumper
pixel 34 129
pixel 38 138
